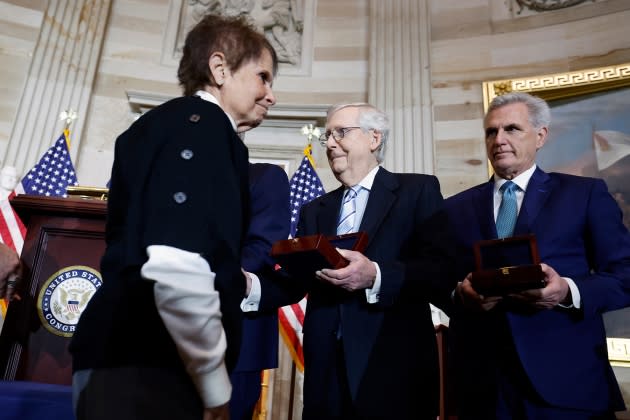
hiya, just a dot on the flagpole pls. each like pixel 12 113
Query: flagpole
pixel 310 131
pixel 68 116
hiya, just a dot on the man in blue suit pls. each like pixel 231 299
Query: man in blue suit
pixel 269 222
pixel 541 353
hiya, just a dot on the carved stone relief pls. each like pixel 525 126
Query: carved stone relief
pixel 287 24
pixel 547 5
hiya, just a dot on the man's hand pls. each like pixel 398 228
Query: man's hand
pixel 221 412
pixel 556 291
pixel 10 271
pixel 473 300
pixel 359 274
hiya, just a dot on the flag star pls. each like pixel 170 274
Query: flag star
pixel 305 185
pixel 53 173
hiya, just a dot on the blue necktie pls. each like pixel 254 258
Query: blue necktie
pixel 508 210
pixel 348 212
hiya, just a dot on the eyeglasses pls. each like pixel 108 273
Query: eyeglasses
pixel 337 134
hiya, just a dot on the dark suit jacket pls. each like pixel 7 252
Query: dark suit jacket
pixel 270 222
pixel 580 234
pixel 179 178
pixel 390 347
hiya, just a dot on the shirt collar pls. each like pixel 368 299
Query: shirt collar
pixel 521 180
pixel 207 96
pixel 369 179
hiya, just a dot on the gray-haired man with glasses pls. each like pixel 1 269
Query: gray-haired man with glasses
pixel 369 343
pixel 336 134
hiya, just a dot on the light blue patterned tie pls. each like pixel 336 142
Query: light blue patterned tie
pixel 348 212
pixel 508 210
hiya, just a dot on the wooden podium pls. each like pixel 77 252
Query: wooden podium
pixel 62 250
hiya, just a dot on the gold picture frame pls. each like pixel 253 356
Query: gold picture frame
pixel 563 87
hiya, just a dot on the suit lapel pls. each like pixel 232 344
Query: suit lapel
pixel 381 199
pixel 327 217
pixel 538 191
pixel 483 202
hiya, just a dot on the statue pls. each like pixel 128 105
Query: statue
pixel 282 21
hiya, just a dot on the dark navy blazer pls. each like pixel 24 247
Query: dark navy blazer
pixel 580 233
pixel 270 222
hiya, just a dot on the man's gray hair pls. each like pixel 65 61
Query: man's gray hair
pixel 538 109
pixel 370 118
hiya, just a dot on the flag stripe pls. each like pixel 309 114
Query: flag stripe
pixel 12 230
pixel 305 186
pixel 291 331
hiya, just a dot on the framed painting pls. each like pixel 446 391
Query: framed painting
pixel 589 135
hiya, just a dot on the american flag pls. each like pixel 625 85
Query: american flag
pixel 54 172
pixel 50 177
pixel 305 186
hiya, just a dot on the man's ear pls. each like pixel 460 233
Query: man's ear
pixel 541 137
pixel 217 65
pixel 377 137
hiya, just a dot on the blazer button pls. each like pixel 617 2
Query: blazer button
pixel 194 118
pixel 187 154
pixel 180 197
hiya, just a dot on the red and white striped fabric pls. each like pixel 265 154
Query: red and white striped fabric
pixel 12 233
pixel 12 229
pixel 291 319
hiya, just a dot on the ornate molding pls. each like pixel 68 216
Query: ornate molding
pixel 280 115
pixel 562 85
pixel 548 5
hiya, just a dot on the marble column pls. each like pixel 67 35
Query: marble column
pixel 400 80
pixel 61 77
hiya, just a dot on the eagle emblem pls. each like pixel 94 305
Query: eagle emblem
pixel 64 296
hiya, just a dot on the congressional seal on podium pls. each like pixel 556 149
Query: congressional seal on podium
pixel 64 296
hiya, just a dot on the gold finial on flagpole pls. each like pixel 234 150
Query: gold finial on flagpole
pixel 310 131
pixel 69 115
